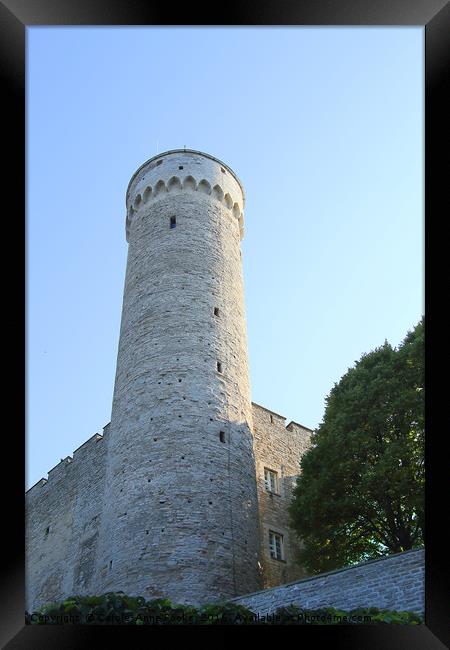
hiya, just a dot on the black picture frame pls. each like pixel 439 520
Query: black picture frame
pixel 434 16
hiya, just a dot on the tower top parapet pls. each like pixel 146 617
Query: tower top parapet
pixel 178 151
pixel 184 169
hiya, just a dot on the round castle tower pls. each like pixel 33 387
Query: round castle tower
pixel 181 515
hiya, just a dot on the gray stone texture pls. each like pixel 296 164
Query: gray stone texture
pixel 395 582
pixel 63 516
pixel 165 502
pixel 170 500
pixel 71 503
pixel 278 448
pixel 168 472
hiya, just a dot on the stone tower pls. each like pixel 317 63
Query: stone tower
pixel 180 516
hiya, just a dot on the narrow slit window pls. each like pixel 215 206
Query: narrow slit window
pixel 222 436
pixel 219 366
pixel 216 311
pixel 173 222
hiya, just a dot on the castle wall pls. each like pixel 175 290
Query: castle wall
pixel 63 514
pixel 71 504
pixel 181 517
pixel 165 503
pixel 277 448
pixel 396 582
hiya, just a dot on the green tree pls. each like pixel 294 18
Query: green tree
pixel 360 493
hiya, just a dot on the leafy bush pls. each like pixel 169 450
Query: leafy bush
pixel 294 615
pixel 116 608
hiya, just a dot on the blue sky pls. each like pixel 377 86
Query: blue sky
pixel 324 127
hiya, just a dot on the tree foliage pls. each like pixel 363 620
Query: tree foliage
pixel 360 493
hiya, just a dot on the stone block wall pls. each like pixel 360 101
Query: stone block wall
pixel 63 515
pixel 181 514
pixel 278 448
pixel 395 582
pixel 169 503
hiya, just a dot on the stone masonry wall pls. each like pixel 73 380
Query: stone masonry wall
pixel 166 504
pixel 395 582
pixel 279 448
pixel 63 515
pixel 64 559
pixel 181 513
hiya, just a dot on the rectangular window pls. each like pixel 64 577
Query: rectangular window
pixel 219 366
pixel 276 545
pixel 222 436
pixel 173 222
pixel 216 311
pixel 271 480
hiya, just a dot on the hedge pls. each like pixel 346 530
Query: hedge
pixel 116 608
